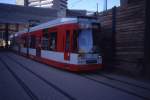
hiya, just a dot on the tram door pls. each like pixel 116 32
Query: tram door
pixel 67 46
pixel 38 46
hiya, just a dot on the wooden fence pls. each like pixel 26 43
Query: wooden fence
pixel 122 37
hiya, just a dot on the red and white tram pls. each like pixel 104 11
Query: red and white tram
pixel 65 43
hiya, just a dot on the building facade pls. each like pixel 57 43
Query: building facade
pixel 15 18
pixel 55 4
pixel 59 5
pixel 22 2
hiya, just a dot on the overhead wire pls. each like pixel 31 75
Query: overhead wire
pixel 76 2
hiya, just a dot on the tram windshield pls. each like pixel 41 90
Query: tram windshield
pixel 86 42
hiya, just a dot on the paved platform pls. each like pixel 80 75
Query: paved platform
pixel 25 79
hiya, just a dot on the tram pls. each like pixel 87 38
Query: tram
pixel 65 43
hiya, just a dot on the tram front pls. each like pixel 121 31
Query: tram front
pixel 88 44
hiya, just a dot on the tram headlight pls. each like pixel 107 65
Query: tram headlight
pixel 99 56
pixel 8 42
pixel 81 55
pixel 99 59
pixel 81 58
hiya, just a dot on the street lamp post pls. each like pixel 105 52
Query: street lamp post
pixel 105 5
pixel 28 39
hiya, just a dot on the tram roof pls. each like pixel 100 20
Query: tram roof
pixel 53 23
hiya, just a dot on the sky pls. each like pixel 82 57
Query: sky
pixel 90 5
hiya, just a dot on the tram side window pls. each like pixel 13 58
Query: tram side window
pixel 67 40
pixel 75 40
pixel 21 42
pixel 45 40
pixel 32 42
pixel 25 44
pixel 53 40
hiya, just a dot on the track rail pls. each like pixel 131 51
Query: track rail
pixel 115 87
pixel 41 78
pixel 21 83
pixel 121 81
